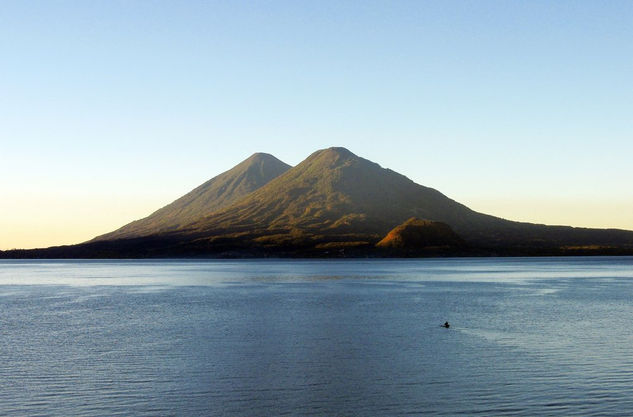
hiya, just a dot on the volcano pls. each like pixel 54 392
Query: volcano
pixel 334 203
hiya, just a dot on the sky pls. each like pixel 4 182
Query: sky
pixel 111 109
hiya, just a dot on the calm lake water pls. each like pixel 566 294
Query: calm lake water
pixel 529 336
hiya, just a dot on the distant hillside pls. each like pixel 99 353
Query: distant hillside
pixel 334 203
pixel 416 234
pixel 217 193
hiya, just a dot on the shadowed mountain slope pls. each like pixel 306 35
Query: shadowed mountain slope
pixel 217 193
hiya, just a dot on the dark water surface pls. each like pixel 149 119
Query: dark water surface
pixel 539 336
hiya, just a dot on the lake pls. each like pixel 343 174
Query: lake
pixel 528 336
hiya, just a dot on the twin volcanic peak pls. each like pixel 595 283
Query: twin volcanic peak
pixel 333 196
pixel 333 199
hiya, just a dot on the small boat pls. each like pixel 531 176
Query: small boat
pixel 446 325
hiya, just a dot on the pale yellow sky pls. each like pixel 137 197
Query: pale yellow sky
pixel 50 220
pixel 566 212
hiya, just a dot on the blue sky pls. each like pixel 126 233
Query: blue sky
pixel 112 109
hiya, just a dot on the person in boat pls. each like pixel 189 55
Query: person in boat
pixel 446 325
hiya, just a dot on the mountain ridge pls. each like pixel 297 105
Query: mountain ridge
pixel 333 203
pixel 333 189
